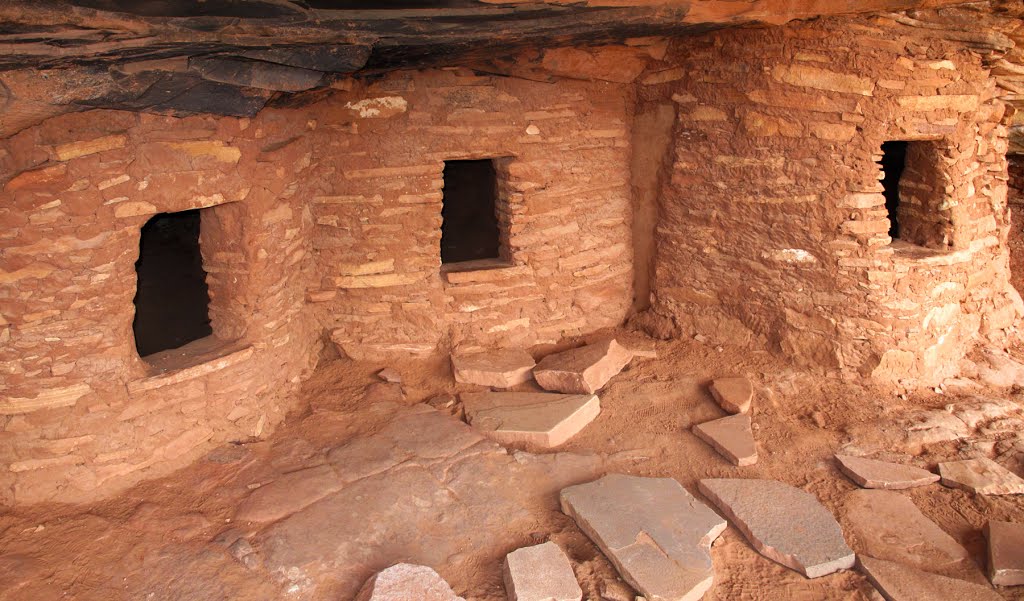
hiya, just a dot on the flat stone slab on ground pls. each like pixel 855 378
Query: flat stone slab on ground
pixel 540 573
pixel 422 489
pixel 981 476
pixel 501 368
pixel 655 533
pixel 732 437
pixel 899 582
pixel 733 394
pixel 582 370
pixel 405 582
pixel 887 525
pixel 1005 552
pixel 541 418
pixel 783 523
pixel 872 473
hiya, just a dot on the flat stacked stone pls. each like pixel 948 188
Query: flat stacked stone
pixel 656 534
pixel 981 476
pixel 871 473
pixel 899 582
pixel 1005 552
pixel 541 418
pixel 783 523
pixel 583 370
pixel 502 368
pixel 540 573
pixel 732 437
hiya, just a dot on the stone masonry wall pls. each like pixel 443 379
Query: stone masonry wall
pixel 81 414
pixel 773 223
pixel 319 221
pixel 564 204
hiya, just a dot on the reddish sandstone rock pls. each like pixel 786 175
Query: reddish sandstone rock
pixel 899 582
pixel 981 476
pixel 540 573
pixel 582 370
pixel 733 394
pixel 871 473
pixel 889 526
pixel 539 418
pixel 498 368
pixel 1005 553
pixel 405 582
pixel 732 437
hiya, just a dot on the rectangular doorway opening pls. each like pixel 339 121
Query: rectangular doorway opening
pixel 172 301
pixel 894 161
pixel 914 184
pixel 469 217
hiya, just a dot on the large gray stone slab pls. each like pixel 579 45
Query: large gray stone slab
pixel 655 533
pixel 872 473
pixel 405 582
pixel 540 573
pixel 898 582
pixel 1005 552
pixel 887 525
pixel 582 370
pixel 541 418
pixel 981 476
pixel 732 437
pixel 783 523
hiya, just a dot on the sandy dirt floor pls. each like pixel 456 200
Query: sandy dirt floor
pixel 170 539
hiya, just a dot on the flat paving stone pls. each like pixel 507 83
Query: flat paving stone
pixel 872 473
pixel 421 489
pixel 1005 552
pixel 541 418
pixel 655 533
pixel 733 394
pixel 583 370
pixel 540 573
pixel 981 476
pixel 405 582
pixel 732 437
pixel 898 582
pixel 783 523
pixel 502 368
pixel 887 525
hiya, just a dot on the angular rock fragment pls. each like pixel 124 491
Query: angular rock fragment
pixel 582 370
pixel 656 534
pixel 404 582
pixel 783 523
pixel 981 476
pixel 871 473
pixel 888 525
pixel 1005 552
pixel 541 418
pixel 733 394
pixel 390 375
pixel 898 582
pixel 540 573
pixel 732 437
pixel 502 368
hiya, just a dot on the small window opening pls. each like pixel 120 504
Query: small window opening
pixel 894 160
pixel 172 302
pixel 469 218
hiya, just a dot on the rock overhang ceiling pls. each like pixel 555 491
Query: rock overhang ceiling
pixel 230 57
